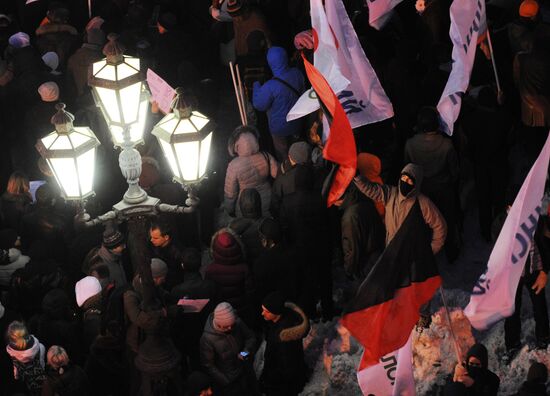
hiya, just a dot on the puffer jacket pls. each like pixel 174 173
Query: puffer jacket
pixel 398 206
pixel 250 169
pixel 275 97
pixel 219 351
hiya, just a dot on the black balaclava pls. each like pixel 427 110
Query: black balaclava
pixel 405 188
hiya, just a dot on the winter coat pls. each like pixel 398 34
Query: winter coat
pixel 117 273
pixel 437 157
pixel 245 24
pixel 171 255
pixel 59 38
pixel 91 320
pixel 250 169
pixel 219 351
pixel 13 208
pixel 533 82
pixel 284 367
pixel 194 287
pixel 107 362
pixel 232 279
pixel 139 320
pixel 16 261
pixel 72 382
pixel 398 206
pixel 275 97
pixel 28 365
pixel 78 64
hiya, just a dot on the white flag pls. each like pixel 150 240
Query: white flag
pixel 494 294
pixel 380 12
pixel 393 376
pixel 324 59
pixel 364 99
pixel 467 23
pixel 340 58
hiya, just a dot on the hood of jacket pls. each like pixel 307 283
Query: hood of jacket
pixel 246 145
pixel 414 171
pixel 299 331
pixel 277 60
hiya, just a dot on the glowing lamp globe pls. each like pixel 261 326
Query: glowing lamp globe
pixel 70 153
pixel 119 91
pixel 185 137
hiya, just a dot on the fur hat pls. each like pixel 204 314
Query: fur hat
pixel 85 288
pixel 224 315
pixel 226 247
pixel 158 268
pixel 274 302
pixel 300 152
pixel 112 238
pixel 19 40
pixel 528 9
pixel 49 91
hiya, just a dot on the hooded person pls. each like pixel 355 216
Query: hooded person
pixel 27 355
pixel 249 169
pixel 399 200
pixel 227 347
pixel 247 226
pixel 277 96
pixel 537 376
pixel 88 299
pixel 475 374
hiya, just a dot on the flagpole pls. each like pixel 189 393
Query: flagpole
pixel 241 113
pixel 89 9
pixel 493 61
pixel 458 352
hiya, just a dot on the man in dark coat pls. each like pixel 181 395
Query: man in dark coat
pixel 227 349
pixel 166 248
pixel 284 367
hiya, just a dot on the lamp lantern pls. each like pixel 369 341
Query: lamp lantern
pixel 185 137
pixel 119 91
pixel 70 153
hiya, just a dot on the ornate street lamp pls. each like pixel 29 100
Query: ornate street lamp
pixel 185 137
pixel 70 153
pixel 119 91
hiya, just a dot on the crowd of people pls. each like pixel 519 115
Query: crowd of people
pixel 77 313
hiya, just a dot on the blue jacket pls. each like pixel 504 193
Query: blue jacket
pixel 275 97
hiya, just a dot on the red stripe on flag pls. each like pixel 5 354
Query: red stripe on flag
pixel 340 147
pixel 385 327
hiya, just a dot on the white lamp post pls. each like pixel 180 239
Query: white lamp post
pixel 70 153
pixel 185 137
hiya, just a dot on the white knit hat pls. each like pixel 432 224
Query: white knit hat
pixel 51 59
pixel 49 91
pixel 224 315
pixel 85 288
pixel 19 40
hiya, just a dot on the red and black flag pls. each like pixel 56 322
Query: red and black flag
pixel 340 146
pixel 386 307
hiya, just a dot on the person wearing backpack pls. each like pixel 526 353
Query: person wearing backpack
pixel 276 97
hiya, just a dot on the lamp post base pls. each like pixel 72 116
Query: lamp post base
pixel 125 210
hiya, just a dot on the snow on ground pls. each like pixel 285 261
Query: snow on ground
pixel 333 356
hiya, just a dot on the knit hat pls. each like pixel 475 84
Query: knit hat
pixel 198 382
pixel 8 237
pixel 85 288
pixel 158 268
pixel 19 40
pixel 537 373
pixel 49 91
pixel 235 7
pixel 271 230
pixel 528 9
pixel 274 302
pixel 168 20
pixel 95 36
pixel 51 60
pixel 224 315
pixel 226 249
pixel 300 152
pixel 112 238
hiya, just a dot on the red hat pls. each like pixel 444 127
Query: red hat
pixel 226 248
pixel 528 8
